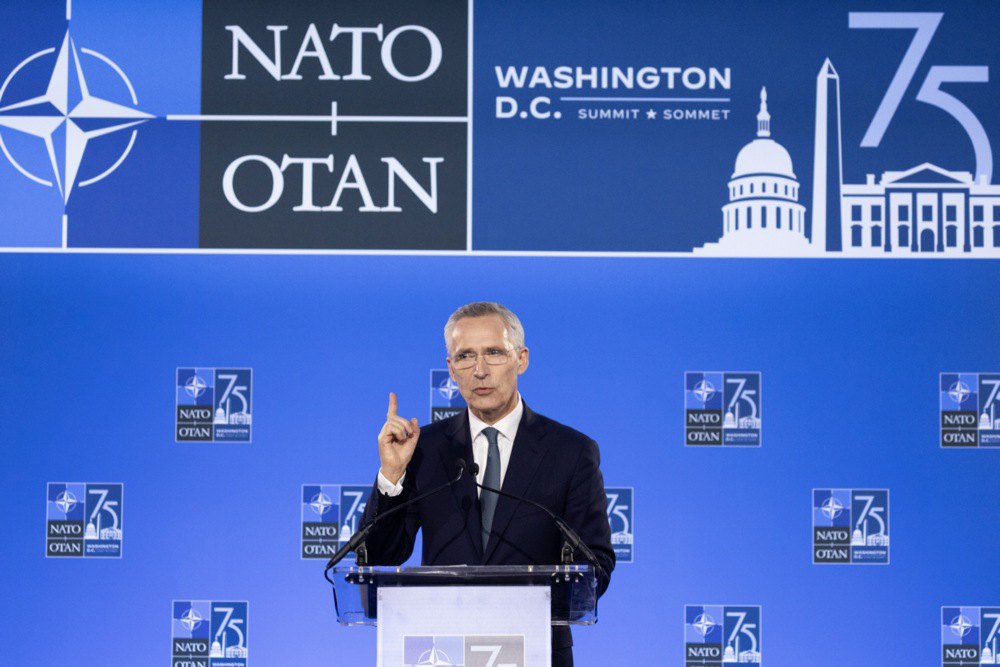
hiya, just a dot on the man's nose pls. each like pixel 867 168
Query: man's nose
pixel 480 369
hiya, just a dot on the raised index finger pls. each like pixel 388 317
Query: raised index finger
pixel 392 405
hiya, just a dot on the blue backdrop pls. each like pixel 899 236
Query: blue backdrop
pixel 850 354
pixel 590 211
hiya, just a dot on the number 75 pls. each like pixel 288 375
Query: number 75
pixel 926 24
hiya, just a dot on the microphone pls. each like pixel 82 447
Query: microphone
pixel 357 540
pixel 571 541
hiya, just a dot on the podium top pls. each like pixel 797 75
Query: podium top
pixel 574 587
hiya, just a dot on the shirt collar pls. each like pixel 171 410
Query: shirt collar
pixel 507 426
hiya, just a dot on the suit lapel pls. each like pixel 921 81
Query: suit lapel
pixel 525 458
pixel 460 447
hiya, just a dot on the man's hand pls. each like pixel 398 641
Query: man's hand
pixel 396 442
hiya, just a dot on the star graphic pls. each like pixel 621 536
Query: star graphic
pixel 195 386
pixel 435 658
pixel 448 389
pixel 65 501
pixel 832 508
pixel 80 119
pixel 961 625
pixel 191 619
pixel 650 114
pixel 959 392
pixel 321 503
pixel 704 624
pixel 704 390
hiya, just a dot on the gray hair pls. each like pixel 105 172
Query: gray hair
pixel 480 309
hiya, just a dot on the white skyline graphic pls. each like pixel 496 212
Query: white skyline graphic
pixel 923 209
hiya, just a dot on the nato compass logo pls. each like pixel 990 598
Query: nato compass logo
pixel 717 635
pixel 850 526
pixel 208 634
pixel 446 401
pixel 214 404
pixel 970 636
pixel 331 514
pixel 463 651
pixel 722 409
pixel 83 520
pixel 620 515
pixel 65 115
pixel 970 409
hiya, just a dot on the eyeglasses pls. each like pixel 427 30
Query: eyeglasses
pixel 466 360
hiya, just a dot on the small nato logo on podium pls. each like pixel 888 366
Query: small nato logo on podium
pixel 970 409
pixel 970 636
pixel 83 520
pixel 446 400
pixel 621 512
pixel 851 526
pixel 331 514
pixel 721 635
pixel 722 409
pixel 204 633
pixel 464 651
pixel 214 405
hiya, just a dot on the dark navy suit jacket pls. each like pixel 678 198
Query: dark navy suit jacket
pixel 550 463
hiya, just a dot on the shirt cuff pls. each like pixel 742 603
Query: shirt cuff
pixel 387 487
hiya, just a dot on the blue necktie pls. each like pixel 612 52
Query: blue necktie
pixel 491 477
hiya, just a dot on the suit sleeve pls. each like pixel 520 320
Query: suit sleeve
pixel 586 510
pixel 391 541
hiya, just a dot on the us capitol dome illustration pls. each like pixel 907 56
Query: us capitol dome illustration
pixel 763 215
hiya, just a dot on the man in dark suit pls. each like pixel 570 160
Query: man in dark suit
pixel 517 451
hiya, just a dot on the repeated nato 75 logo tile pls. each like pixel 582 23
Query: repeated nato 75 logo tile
pixel 83 520
pixel 330 515
pixel 464 650
pixel 446 401
pixel 204 633
pixel 621 516
pixel 850 526
pixel 970 409
pixel 722 408
pixel 722 635
pixel 214 404
pixel 970 636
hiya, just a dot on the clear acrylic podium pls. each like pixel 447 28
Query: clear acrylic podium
pixel 482 615
pixel 573 587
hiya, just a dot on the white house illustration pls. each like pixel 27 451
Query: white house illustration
pixel 924 209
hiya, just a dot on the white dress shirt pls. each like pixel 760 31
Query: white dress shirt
pixel 507 428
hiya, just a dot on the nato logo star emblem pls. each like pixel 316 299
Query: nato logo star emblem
pixel 68 116
pixel 321 504
pixel 66 501
pixel 435 658
pixel 704 624
pixel 191 619
pixel 195 386
pixel 959 392
pixel 832 508
pixel 961 626
pixel 448 388
pixel 704 390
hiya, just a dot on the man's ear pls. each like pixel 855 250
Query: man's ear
pixel 522 360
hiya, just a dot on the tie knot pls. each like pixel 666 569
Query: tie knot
pixel 491 434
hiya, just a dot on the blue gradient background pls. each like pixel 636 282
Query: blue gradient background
pixel 850 353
